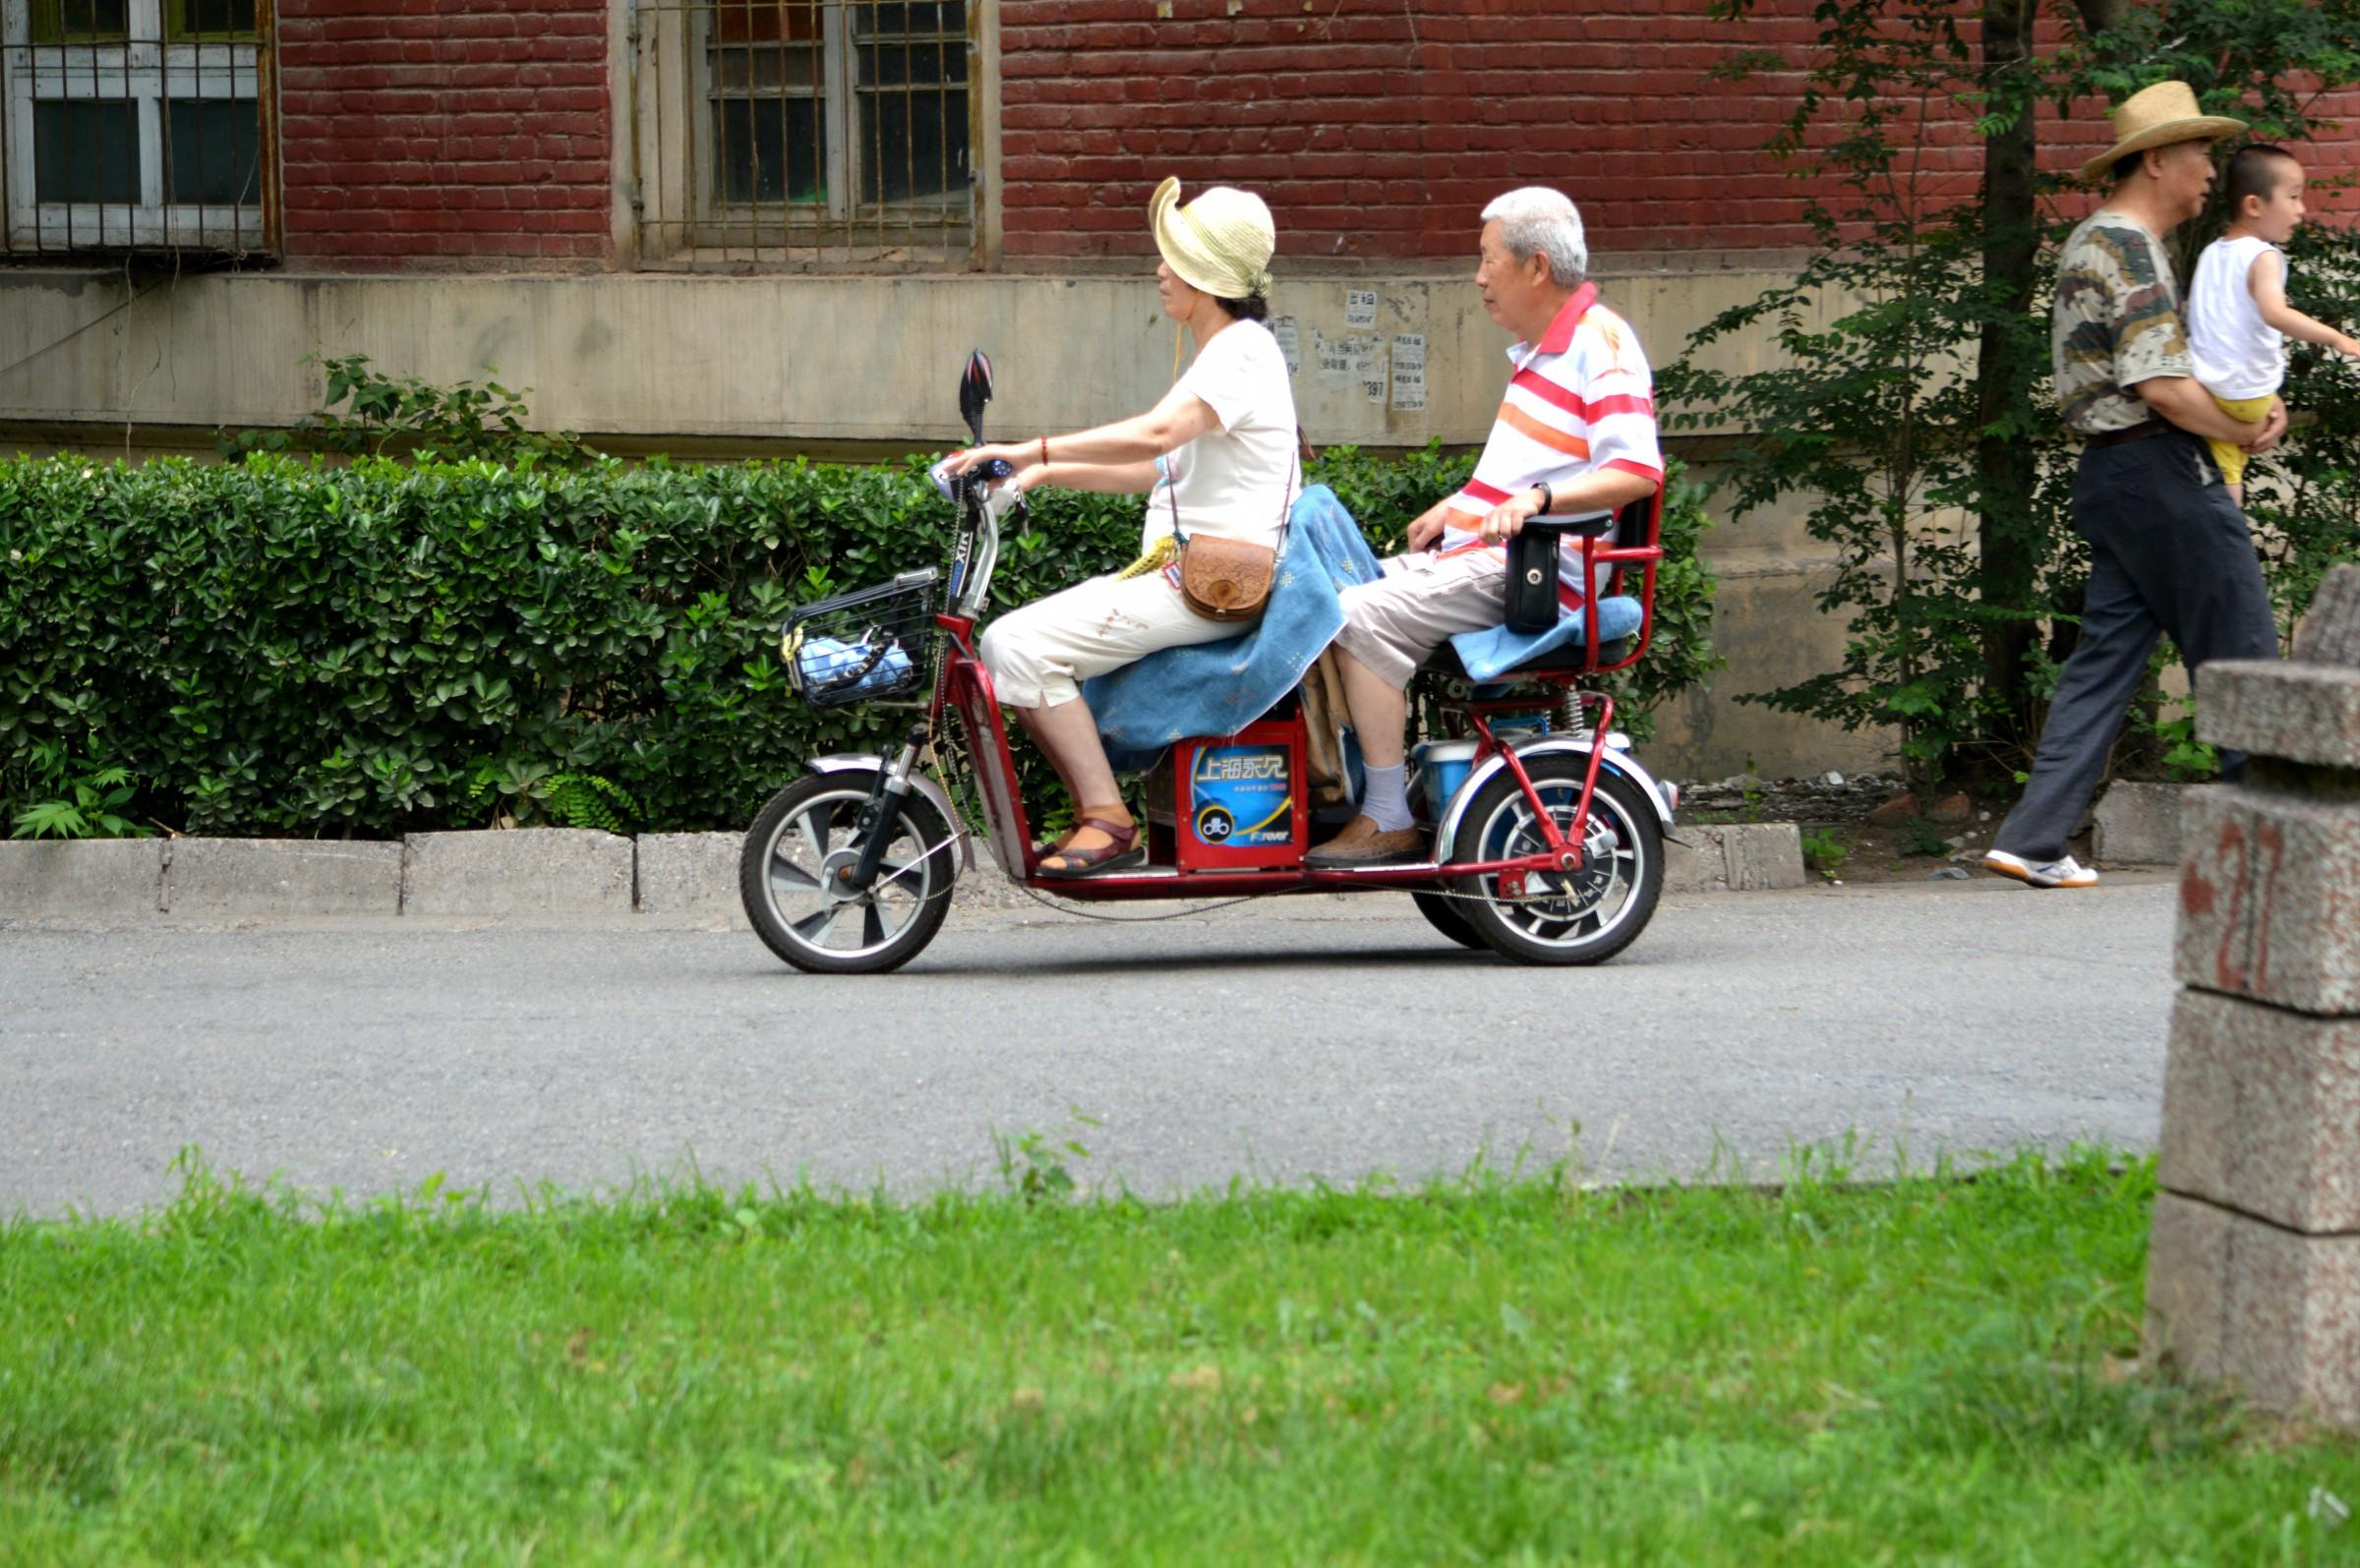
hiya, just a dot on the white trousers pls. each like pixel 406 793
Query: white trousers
pixel 1039 654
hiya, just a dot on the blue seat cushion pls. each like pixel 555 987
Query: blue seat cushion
pixel 1495 651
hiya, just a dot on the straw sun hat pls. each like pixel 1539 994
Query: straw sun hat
pixel 2157 117
pixel 1220 242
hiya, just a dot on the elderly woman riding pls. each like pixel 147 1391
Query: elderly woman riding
pixel 1216 458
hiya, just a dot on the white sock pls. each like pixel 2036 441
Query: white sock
pixel 1384 800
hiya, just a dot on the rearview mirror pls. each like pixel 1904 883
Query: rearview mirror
pixel 974 391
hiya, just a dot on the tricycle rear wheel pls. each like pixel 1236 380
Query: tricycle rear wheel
pixel 804 915
pixel 1585 916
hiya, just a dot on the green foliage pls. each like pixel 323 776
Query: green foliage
pixel 526 796
pixel 1823 852
pixel 70 802
pixel 1923 836
pixel 279 647
pixel 380 411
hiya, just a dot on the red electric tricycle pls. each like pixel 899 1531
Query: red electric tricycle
pixel 1546 834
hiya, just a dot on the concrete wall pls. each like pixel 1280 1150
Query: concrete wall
pixel 716 364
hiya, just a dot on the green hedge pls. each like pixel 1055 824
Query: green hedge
pixel 283 647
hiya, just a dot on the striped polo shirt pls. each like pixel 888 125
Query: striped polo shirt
pixel 1581 401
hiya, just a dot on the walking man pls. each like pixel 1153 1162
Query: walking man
pixel 2169 551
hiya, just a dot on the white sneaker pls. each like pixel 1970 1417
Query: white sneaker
pixel 2065 873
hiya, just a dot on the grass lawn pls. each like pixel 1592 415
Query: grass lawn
pixel 1498 1368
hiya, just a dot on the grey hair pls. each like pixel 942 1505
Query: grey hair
pixel 1534 218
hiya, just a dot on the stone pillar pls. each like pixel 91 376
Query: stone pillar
pixel 2254 1272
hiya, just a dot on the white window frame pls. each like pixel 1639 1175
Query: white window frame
pixel 676 188
pixel 150 73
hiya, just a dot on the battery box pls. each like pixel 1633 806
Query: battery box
pixel 1231 802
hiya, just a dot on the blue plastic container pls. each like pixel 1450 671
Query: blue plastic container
pixel 1442 766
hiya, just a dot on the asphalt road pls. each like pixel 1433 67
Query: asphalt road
pixel 1296 1038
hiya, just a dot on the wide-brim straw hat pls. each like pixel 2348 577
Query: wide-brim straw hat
pixel 1219 244
pixel 2157 117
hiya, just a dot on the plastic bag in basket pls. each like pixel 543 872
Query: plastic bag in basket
pixel 820 661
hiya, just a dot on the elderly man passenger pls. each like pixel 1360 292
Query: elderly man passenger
pixel 1575 436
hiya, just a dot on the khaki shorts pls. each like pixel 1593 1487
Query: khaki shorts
pixel 1039 654
pixel 1391 624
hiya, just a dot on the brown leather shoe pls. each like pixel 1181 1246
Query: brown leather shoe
pixel 1364 843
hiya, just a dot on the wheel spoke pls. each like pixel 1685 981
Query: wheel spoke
pixel 813 928
pixel 872 926
pixel 785 873
pixel 813 827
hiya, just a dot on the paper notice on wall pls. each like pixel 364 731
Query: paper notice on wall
pixel 1290 342
pixel 1333 356
pixel 1360 307
pixel 1367 367
pixel 1409 371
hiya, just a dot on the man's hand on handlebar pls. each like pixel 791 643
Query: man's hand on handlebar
pixel 1507 520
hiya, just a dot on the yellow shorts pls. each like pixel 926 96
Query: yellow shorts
pixel 2245 411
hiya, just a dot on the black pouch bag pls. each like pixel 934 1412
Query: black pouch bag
pixel 1532 605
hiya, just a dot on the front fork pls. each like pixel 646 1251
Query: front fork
pixel 884 804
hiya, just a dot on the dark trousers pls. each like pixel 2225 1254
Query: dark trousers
pixel 2169 554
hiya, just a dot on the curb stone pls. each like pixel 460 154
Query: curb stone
pixel 280 876
pixel 692 875
pixel 533 871
pixel 536 871
pixel 2139 824
pixel 82 877
pixel 1735 857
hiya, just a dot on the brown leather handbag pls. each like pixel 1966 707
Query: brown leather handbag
pixel 1228 579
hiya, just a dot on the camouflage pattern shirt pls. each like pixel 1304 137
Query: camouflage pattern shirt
pixel 2117 323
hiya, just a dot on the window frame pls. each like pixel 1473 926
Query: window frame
pixel 680 218
pixel 152 73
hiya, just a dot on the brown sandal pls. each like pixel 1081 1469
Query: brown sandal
pixel 1122 852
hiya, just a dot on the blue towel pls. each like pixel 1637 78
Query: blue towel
pixel 1219 688
pixel 1495 651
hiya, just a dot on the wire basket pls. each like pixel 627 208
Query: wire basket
pixel 868 646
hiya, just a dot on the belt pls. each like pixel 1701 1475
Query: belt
pixel 2136 432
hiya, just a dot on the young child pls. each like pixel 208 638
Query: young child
pixel 2237 308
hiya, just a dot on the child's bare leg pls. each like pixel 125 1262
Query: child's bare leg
pixel 2237 495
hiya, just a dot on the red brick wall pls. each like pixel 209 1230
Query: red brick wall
pixel 414 130
pixel 1378 128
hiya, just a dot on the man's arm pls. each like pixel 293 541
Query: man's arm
pixel 2183 400
pixel 1602 489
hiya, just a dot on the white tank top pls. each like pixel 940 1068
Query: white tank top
pixel 2237 354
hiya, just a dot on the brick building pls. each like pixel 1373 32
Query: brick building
pixel 719 225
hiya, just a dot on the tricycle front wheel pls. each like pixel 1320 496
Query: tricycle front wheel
pixel 802 911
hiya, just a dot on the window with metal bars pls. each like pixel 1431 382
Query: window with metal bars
pixel 803 131
pixel 129 125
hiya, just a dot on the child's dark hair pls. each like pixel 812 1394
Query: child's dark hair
pixel 2255 170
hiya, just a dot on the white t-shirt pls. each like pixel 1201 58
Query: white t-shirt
pixel 2236 353
pixel 1239 479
